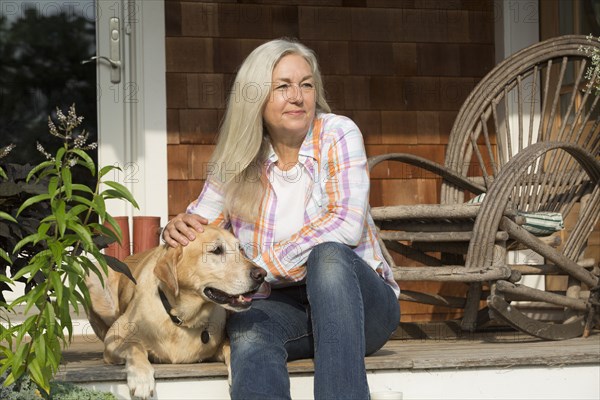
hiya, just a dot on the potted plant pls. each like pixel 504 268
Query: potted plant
pixel 51 228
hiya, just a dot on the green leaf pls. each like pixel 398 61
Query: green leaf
pixel 39 344
pixel 54 351
pixel 75 272
pixel 16 303
pixel 4 278
pixel 51 322
pixel 107 169
pixel 47 172
pixel 68 323
pixel 69 240
pixel 33 238
pixel 100 206
pixel 10 378
pixel 60 153
pixel 33 200
pixel 18 365
pixel 57 250
pixel 57 285
pixel 53 186
pixel 83 200
pixel 27 239
pixel 59 211
pixel 19 355
pixel 111 194
pixel 6 257
pixel 123 192
pixel 116 228
pixel 80 297
pixel 86 160
pixel 82 188
pixel 38 262
pixel 7 217
pixel 39 167
pixel 75 211
pixel 49 220
pixel 43 230
pixel 87 264
pixel 34 297
pixel 100 267
pixel 83 232
pixel 83 295
pixel 22 330
pixel 37 375
pixel 67 181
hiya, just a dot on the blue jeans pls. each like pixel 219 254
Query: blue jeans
pixel 344 312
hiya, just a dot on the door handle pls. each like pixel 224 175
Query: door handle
pixel 114 48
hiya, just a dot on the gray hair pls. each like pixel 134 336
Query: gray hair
pixel 242 146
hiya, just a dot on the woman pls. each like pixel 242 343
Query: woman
pixel 291 181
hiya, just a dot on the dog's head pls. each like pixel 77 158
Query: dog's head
pixel 213 267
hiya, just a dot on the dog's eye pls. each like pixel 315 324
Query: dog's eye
pixel 218 250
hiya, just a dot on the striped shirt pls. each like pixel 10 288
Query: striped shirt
pixel 336 203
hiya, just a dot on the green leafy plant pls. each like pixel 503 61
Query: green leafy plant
pixel 592 74
pixel 62 226
pixel 25 389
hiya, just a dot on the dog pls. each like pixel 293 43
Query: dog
pixel 176 312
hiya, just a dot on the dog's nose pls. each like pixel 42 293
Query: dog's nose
pixel 258 274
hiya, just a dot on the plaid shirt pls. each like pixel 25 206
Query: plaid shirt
pixel 336 203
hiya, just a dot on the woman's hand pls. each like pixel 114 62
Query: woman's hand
pixel 183 228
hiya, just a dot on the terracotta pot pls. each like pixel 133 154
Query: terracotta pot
pixel 146 231
pixel 116 250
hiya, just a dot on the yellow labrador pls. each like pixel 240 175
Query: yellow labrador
pixel 176 312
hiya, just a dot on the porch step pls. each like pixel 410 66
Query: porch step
pixel 485 360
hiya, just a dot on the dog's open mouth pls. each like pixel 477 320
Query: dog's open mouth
pixel 243 300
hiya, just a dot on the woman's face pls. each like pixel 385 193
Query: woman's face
pixel 292 101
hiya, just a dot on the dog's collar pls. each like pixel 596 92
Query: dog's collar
pixel 176 320
pixel 205 337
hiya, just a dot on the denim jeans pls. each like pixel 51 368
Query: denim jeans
pixel 344 311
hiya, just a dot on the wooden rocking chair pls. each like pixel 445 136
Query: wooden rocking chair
pixel 526 143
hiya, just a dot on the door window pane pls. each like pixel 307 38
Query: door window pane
pixel 42 44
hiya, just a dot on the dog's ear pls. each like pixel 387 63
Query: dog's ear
pixel 166 268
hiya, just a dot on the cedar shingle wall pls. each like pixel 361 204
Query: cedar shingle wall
pixel 399 68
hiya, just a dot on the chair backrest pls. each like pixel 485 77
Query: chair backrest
pixel 537 94
pixel 540 94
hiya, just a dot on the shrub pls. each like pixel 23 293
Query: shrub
pixel 50 229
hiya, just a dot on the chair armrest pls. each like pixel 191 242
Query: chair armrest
pixel 431 166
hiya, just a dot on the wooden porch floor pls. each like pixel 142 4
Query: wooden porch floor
pixel 441 350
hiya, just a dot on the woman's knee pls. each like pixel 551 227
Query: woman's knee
pixel 330 253
pixel 329 264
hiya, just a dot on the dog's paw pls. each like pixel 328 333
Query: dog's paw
pixel 140 380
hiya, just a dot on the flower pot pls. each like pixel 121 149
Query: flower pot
pixel 116 250
pixel 146 231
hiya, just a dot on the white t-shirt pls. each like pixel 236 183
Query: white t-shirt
pixel 290 188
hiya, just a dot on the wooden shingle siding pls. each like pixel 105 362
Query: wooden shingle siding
pixel 400 68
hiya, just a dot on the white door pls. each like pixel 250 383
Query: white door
pixel 42 46
pixel 132 101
